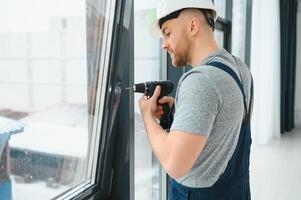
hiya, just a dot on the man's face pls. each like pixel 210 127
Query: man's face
pixel 175 42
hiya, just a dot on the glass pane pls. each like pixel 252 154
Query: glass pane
pixel 219 37
pixel 48 92
pixel 147 68
pixel 239 28
pixel 221 8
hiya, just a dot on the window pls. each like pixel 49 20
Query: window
pixel 239 28
pixel 53 75
pixel 219 37
pixel 221 6
pixel 147 68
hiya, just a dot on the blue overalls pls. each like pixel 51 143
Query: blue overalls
pixel 233 184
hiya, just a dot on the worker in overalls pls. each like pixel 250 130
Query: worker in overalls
pixel 206 152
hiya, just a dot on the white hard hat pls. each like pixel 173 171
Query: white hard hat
pixel 166 7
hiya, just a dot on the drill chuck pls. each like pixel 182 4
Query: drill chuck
pixel 139 87
pixel 148 88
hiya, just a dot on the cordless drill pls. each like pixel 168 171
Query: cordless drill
pixel 148 88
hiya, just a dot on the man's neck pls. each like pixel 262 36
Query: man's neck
pixel 201 50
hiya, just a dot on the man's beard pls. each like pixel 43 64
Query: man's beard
pixel 180 55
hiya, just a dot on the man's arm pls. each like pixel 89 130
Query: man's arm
pixel 177 151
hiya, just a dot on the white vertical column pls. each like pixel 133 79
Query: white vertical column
pixel 265 66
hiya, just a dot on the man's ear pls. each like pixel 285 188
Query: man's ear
pixel 193 26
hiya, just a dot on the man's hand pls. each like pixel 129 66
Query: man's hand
pixel 148 107
pixel 166 99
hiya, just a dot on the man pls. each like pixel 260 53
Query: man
pixel 206 153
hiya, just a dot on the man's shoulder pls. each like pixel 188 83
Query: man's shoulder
pixel 196 84
pixel 195 77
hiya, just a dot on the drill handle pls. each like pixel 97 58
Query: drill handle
pixel 167 117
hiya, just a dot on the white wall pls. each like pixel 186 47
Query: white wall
pixel 298 71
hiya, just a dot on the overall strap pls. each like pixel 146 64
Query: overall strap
pixel 235 77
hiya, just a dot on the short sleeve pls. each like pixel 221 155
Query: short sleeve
pixel 197 105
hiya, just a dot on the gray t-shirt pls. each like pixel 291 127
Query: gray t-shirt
pixel 209 102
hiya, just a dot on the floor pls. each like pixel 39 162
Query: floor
pixel 276 169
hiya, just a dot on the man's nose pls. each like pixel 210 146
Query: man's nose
pixel 164 44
